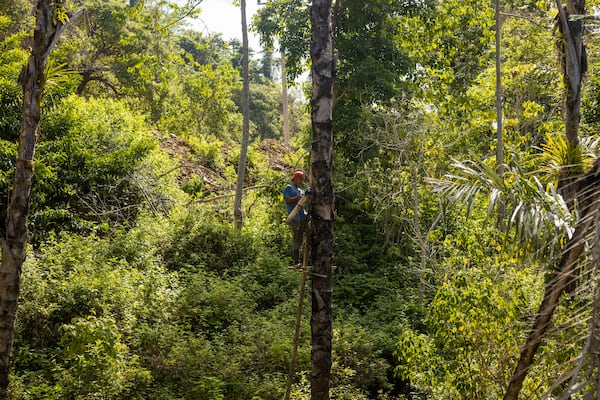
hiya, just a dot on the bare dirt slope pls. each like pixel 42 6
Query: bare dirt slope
pixel 275 153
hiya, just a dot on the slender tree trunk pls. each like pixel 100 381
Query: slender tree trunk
pixel 322 212
pixel 47 31
pixel 237 207
pixel 284 94
pixel 499 117
pixel 574 65
pixel 421 239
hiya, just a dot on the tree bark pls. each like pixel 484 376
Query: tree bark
pixel 47 31
pixel 322 212
pixel 574 65
pixel 589 200
pixel 499 114
pixel 284 95
pixel 237 207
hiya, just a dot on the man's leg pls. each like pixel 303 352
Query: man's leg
pixel 301 231
pixel 297 233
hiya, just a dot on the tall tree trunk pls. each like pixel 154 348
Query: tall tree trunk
pixel 284 95
pixel 574 65
pixel 47 31
pixel 499 116
pixel 237 206
pixel 322 212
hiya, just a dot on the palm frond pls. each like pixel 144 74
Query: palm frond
pixel 471 178
pixel 536 213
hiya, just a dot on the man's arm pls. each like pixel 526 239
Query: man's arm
pixel 293 199
pixel 289 197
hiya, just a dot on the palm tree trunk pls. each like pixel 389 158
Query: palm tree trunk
pixel 322 214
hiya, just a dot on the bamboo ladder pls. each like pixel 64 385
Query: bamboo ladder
pixel 292 371
pixel 305 272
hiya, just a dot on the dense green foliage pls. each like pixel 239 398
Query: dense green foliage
pixel 138 286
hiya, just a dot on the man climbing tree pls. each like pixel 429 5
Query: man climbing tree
pixel 321 237
pixel 52 18
pixel 293 194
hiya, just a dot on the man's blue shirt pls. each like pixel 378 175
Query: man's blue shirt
pixel 291 191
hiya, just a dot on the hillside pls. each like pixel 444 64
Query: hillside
pixel 273 154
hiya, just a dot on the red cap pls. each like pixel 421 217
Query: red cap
pixel 297 174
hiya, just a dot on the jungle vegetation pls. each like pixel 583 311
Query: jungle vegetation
pixel 138 285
